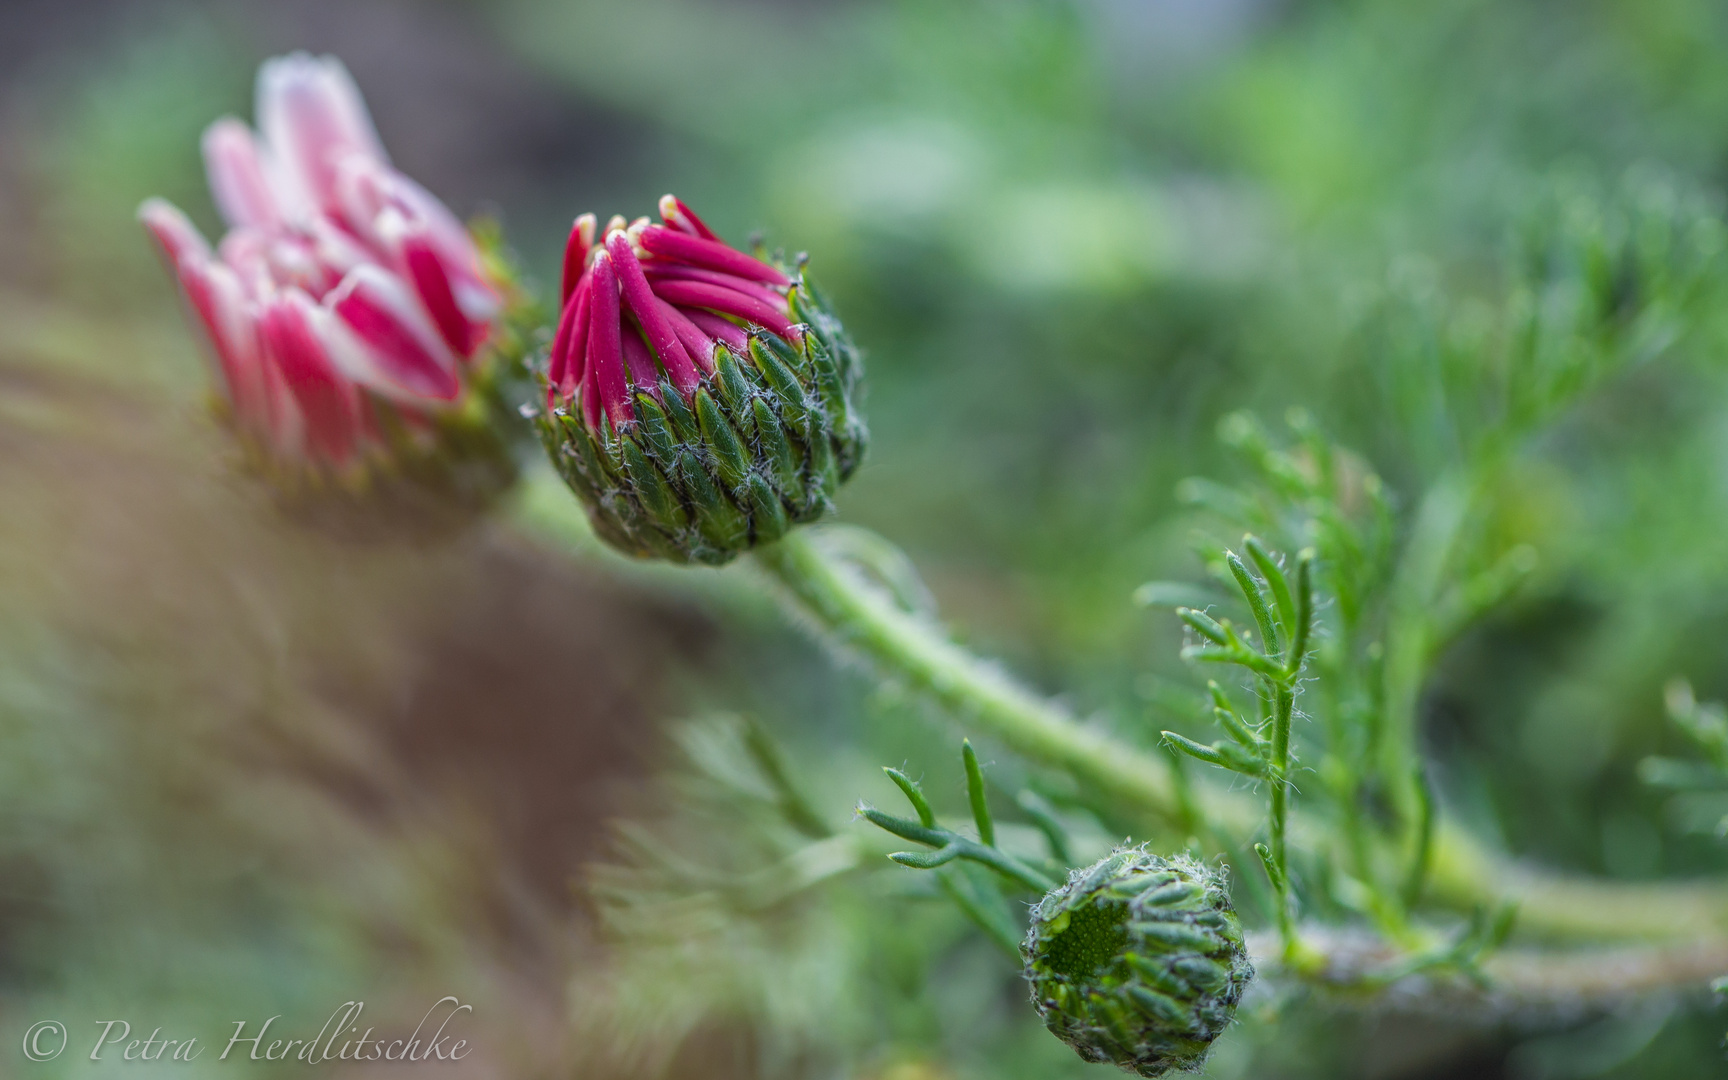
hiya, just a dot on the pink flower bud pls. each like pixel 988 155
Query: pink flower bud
pixel 344 294
pixel 700 401
pixel 675 286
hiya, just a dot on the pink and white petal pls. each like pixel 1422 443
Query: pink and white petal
pixel 432 284
pixel 311 114
pixel 291 328
pixel 283 426
pixel 475 295
pixel 232 317
pixel 223 306
pixel 389 344
pixel 173 230
pixel 362 194
pixel 244 247
pixel 337 249
pixel 370 194
pixel 239 183
pixel 460 305
pixel 247 253
pixel 294 259
pixel 388 231
pixel 447 229
pixel 217 302
pixel 455 248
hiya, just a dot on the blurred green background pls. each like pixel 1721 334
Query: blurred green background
pixel 248 770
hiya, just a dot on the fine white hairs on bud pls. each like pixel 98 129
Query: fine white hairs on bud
pixel 1138 961
pixel 701 401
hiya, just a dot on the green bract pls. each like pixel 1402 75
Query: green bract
pixel 1138 961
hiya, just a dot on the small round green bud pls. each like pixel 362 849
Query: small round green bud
pixel 1138 961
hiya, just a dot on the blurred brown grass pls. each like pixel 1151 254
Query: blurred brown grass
pixel 419 741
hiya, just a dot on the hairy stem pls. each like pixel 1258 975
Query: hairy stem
pixel 906 646
pixel 1537 982
pixel 1283 704
pixel 1462 874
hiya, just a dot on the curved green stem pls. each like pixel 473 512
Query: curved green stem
pixel 1461 873
pixel 1439 518
pixel 901 644
pixel 1520 980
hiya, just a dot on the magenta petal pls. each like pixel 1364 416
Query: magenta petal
pixel 695 342
pixel 721 329
pixel 576 255
pixel 579 338
pixel 590 399
pixel 569 348
pixel 640 362
pixel 328 402
pixel 605 351
pixel 661 336
pixel 659 240
pixel 558 356
pixel 426 271
pixel 660 271
pixel 727 302
pixel 373 306
pixel 675 213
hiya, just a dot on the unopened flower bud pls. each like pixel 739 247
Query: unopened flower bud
pixel 1138 961
pixel 356 324
pixel 700 400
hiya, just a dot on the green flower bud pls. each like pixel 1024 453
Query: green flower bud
pixel 699 400
pixel 1138 961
